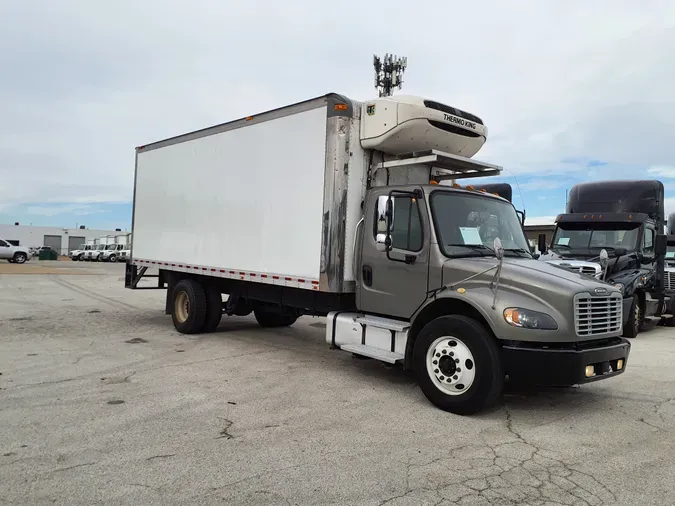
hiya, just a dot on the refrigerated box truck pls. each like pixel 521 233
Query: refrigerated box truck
pixel 352 211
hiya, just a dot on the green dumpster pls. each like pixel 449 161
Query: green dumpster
pixel 47 254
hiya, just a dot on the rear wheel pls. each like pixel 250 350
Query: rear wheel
pixel 458 365
pixel 189 307
pixel 214 309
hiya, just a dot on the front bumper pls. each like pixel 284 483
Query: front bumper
pixel 564 365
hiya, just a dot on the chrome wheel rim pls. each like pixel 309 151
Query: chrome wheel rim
pixel 451 365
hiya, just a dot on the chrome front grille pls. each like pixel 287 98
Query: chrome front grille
pixel 579 266
pixel 669 280
pixel 596 315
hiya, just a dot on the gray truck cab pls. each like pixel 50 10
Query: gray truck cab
pixel 448 286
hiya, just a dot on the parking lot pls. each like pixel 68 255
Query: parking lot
pixel 103 401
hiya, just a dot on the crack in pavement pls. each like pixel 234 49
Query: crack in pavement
pixel 224 433
pixel 508 473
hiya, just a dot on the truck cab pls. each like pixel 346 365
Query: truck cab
pixel 93 254
pixel 77 254
pixel 612 231
pixel 112 253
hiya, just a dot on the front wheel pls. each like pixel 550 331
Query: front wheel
pixel 632 327
pixel 19 258
pixel 112 259
pixel 458 365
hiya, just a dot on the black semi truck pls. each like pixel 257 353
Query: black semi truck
pixel 669 270
pixel 613 231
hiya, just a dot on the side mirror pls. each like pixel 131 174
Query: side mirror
pixel 385 219
pixel 619 252
pixel 660 244
pixel 380 240
pixel 542 243
pixel 499 249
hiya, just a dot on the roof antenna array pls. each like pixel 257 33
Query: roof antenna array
pixel 389 73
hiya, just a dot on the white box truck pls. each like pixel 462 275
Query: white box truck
pixel 351 211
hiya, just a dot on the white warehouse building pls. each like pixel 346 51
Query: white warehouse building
pixel 59 239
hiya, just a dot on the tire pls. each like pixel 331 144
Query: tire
pixel 214 309
pixel 19 258
pixel 189 307
pixel 632 327
pixel 112 259
pixel 474 348
pixel 272 318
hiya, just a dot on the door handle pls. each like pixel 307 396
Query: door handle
pixel 367 275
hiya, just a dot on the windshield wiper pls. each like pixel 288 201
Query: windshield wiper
pixel 556 246
pixel 518 250
pixel 479 248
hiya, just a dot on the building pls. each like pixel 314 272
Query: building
pixel 532 233
pixel 60 240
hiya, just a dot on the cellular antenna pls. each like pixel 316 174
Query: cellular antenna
pixel 389 73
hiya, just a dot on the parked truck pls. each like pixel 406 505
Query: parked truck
pixel 613 231
pixel 669 271
pixel 349 210
pixel 114 251
pixel 77 254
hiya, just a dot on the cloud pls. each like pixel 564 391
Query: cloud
pixel 85 82
pixel 62 209
pixel 540 220
pixel 664 171
pixel 544 184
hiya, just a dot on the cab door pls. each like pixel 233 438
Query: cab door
pixel 394 283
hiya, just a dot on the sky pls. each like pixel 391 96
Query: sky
pixel 570 90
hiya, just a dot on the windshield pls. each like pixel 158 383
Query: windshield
pixel 112 247
pixel 670 253
pixel 580 238
pixel 467 225
pixel 100 247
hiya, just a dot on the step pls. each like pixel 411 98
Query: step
pixel 370 351
pixel 383 323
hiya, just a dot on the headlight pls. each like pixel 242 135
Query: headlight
pixel 620 287
pixel 528 319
